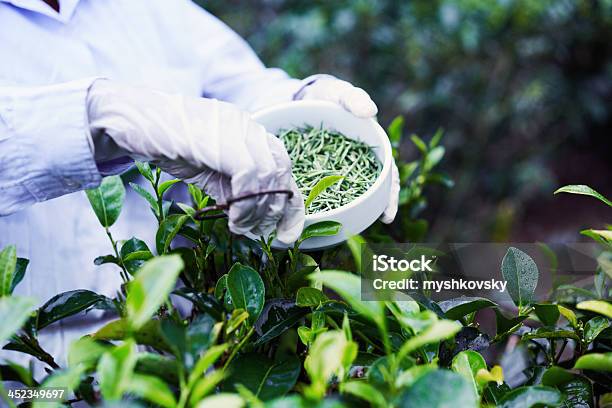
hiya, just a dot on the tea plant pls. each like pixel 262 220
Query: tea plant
pixel 271 328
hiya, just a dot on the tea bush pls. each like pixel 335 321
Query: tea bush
pixel 275 328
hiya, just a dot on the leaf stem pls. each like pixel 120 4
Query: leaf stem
pixel 123 272
pixel 160 201
pixel 238 347
pixel 184 389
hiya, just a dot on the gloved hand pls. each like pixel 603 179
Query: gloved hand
pixel 206 142
pixel 358 102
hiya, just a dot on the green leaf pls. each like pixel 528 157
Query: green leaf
pixel 278 316
pixel 115 369
pixel 168 229
pixel 133 254
pixel 598 306
pixel 150 288
pixel 521 273
pixel 165 186
pixel 66 304
pixel 11 371
pixel 569 315
pixel 348 286
pixel 148 334
pixel 554 376
pixel 8 264
pixel 457 308
pixel 577 390
pixel 321 186
pixel 604 260
pixel 493 393
pixel 85 351
pixel 187 209
pixel 139 256
pixel 584 190
pixel 246 290
pixel 221 287
pixel 14 311
pixel 147 196
pixel 547 313
pixel 330 354
pixel 107 200
pixel 238 317
pixel 365 391
pixel 415 322
pixel 379 372
pixel 309 297
pixel 151 389
pixel 419 143
pixel 407 170
pixel 530 396
pixel 265 378
pixel 438 331
pixel 20 270
pixel 355 244
pixel 205 386
pixel 438 389
pixel 602 236
pixel 106 259
pixel 595 361
pixel 409 376
pixel 467 364
pixel 205 362
pixel 166 368
pixel 436 138
pixel 433 157
pixel 320 229
pixel 145 169
pixel 550 333
pixel 196 194
pixel 593 327
pixel 395 130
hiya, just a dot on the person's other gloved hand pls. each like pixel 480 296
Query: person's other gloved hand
pixel 206 142
pixel 358 102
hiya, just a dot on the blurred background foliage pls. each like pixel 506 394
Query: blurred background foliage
pixel 522 88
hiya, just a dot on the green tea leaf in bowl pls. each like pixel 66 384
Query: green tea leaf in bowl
pixel 330 169
pixel 321 186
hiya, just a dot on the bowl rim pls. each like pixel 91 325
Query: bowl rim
pixel 380 132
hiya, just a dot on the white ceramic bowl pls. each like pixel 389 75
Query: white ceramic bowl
pixel 362 212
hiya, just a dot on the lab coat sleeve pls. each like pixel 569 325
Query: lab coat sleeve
pixel 231 70
pixel 45 146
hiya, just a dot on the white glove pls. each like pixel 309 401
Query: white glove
pixel 358 102
pixel 206 142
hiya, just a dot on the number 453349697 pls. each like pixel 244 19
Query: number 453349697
pixel 37 394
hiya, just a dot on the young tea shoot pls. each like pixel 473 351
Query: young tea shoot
pixel 330 169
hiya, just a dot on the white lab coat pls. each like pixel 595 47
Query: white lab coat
pixel 46 157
